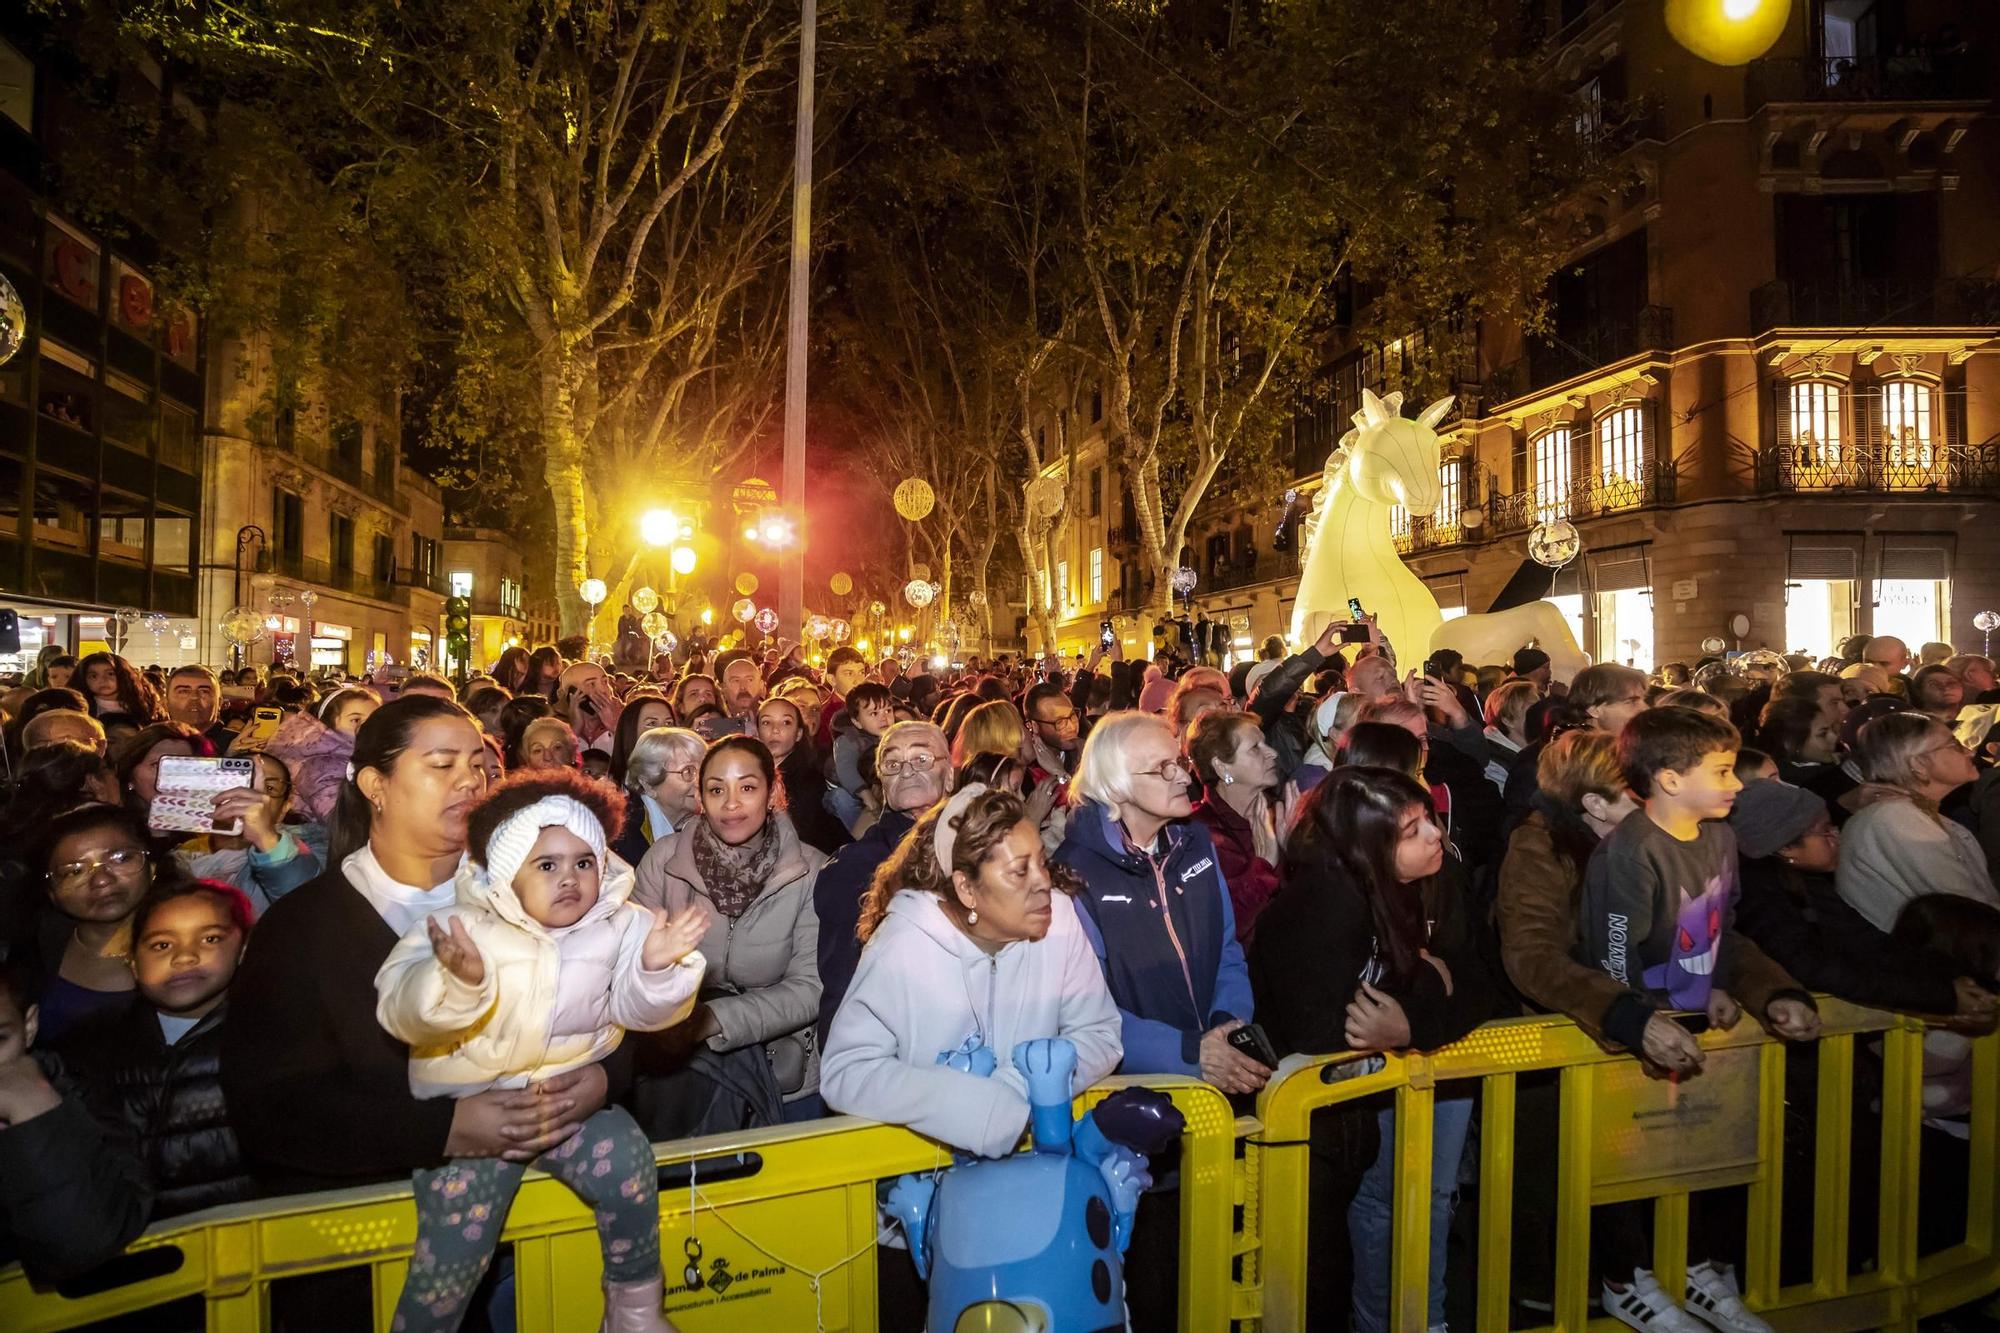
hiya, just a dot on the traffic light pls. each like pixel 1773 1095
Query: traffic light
pixel 458 631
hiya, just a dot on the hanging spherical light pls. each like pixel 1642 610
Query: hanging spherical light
pixel 1728 32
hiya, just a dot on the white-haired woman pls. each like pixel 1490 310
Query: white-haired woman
pixel 1898 846
pixel 966 894
pixel 1507 726
pixel 660 773
pixel 1156 907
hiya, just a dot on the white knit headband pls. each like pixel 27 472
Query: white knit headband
pixel 944 838
pixel 511 842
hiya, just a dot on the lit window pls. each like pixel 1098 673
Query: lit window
pixel 1399 521
pixel 1062 581
pixel 1552 475
pixel 1818 431
pixel 1621 446
pixel 1096 574
pixel 1906 425
pixel 1450 504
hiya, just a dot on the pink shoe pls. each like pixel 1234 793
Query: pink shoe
pixel 634 1307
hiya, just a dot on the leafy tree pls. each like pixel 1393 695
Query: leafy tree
pixel 581 196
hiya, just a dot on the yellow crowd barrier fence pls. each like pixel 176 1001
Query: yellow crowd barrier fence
pixel 788 1216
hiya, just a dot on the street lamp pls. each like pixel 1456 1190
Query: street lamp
pixel 660 527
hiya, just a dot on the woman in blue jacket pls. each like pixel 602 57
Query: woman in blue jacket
pixel 1156 908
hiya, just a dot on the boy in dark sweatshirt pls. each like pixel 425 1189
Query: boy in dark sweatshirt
pixel 1658 899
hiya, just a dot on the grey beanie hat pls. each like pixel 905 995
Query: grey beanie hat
pixel 1770 815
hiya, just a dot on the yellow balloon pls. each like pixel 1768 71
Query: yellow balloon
pixel 1728 32
pixel 746 584
pixel 841 583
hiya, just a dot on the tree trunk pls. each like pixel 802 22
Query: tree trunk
pixel 562 469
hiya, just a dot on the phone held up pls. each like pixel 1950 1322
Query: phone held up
pixel 1104 634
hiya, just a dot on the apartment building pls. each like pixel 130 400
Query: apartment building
pixel 1770 385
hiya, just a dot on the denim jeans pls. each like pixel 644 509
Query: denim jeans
pixel 1368 1217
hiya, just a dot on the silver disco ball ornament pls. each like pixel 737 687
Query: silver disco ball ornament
pixel 1986 621
pixel 1554 543
pixel 1184 580
pixel 766 621
pixel 13 321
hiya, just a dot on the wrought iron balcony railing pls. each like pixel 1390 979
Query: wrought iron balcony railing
pixel 1912 76
pixel 1908 464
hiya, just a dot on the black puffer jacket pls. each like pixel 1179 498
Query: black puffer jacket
pixel 170 1102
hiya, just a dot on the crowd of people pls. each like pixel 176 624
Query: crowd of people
pixel 557 911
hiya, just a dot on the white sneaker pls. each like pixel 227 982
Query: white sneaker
pixel 1713 1299
pixel 1644 1304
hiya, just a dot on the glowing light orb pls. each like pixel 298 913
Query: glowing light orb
pixel 1728 32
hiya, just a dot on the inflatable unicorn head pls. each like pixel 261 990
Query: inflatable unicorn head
pixel 1350 549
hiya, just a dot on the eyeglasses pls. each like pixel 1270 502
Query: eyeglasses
pixel 77 872
pixel 921 762
pixel 1061 721
pixel 1167 771
pixel 685 774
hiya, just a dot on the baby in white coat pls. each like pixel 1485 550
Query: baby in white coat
pixel 538 970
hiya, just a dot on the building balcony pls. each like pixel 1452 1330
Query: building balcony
pixel 1961 303
pixel 1920 76
pixel 342 468
pixel 324 574
pixel 1555 359
pixel 1594 495
pixel 1910 466
pixel 1250 568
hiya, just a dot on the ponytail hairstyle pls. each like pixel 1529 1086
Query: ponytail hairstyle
pixel 378 745
pixel 982 824
pixel 1352 822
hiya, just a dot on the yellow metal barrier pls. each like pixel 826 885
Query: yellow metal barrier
pixel 1610 1122
pixel 791 1213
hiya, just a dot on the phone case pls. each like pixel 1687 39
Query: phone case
pixel 185 799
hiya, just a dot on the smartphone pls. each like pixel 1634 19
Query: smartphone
pixel 258 731
pixel 1354 633
pixel 1250 1040
pixel 188 786
pixel 1104 635
pixel 714 727
pixel 1354 609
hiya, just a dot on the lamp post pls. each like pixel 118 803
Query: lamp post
pixel 791 561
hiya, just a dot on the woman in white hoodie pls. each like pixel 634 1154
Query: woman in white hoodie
pixel 538 970
pixel 972 946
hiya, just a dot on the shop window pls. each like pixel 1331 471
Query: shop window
pixel 67 394
pixel 1913 591
pixel 70 263
pixel 1820 580
pixel 1625 627
pixel 1552 474
pixel 173 540
pixel 128 414
pixel 63 512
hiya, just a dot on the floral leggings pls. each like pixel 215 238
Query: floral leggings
pixel 462 1205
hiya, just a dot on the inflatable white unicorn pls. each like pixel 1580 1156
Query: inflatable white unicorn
pixel 1350 550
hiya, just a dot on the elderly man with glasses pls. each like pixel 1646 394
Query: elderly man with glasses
pixel 913 770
